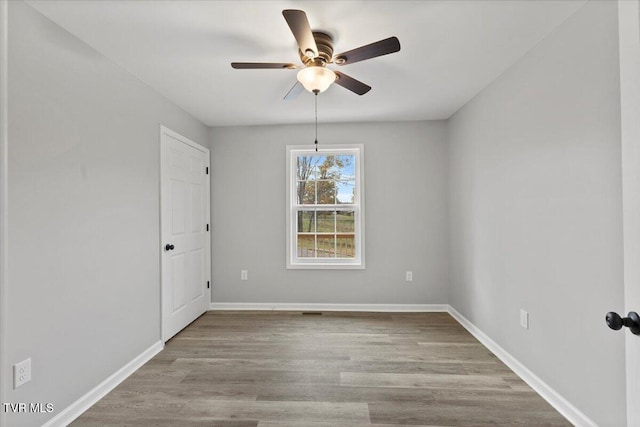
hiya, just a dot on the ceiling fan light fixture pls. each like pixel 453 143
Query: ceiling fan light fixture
pixel 316 78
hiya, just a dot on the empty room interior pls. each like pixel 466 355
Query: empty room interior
pixel 427 215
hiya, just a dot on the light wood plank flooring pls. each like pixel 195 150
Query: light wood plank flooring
pixel 268 369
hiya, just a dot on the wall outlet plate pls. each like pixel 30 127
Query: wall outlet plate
pixel 244 274
pixel 21 373
pixel 524 319
pixel 408 276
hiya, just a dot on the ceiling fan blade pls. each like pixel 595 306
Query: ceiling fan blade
pixel 379 48
pixel 348 82
pixel 259 65
pixel 301 30
pixel 293 93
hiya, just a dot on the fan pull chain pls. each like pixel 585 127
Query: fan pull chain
pixel 316 97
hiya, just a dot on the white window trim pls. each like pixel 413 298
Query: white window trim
pixel 317 263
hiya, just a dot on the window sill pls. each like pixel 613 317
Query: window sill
pixel 321 266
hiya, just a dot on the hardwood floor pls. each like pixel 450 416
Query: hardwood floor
pixel 268 369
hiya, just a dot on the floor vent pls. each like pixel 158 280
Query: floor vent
pixel 313 313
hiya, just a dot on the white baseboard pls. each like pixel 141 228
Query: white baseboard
pixel 73 411
pixel 562 405
pixel 330 307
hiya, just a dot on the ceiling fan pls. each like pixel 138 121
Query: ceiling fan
pixel 316 52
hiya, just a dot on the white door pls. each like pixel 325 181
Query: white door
pixel 184 199
pixel 629 31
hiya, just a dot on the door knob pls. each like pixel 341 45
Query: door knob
pixel 632 321
pixel 170 247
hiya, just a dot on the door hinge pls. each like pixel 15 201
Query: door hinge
pixel 207 227
pixel 208 284
pixel 207 170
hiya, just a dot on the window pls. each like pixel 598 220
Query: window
pixel 325 219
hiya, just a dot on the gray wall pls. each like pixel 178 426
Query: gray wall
pixel 83 279
pixel 535 191
pixel 406 215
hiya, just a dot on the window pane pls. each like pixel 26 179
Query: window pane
pixel 345 222
pixel 306 192
pixel 346 191
pixel 306 222
pixel 326 193
pixel 326 246
pixel 347 164
pixel 326 221
pixel 306 246
pixel 341 167
pixel 326 167
pixel 336 168
pixel 306 167
pixel 345 246
pixel 346 180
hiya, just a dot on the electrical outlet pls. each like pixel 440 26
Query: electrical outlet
pixel 21 373
pixel 408 276
pixel 244 274
pixel 524 319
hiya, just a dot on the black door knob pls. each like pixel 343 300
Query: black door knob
pixel 614 321
pixel 632 321
pixel 170 247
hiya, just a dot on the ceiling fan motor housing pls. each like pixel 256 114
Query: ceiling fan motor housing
pixel 315 49
pixel 324 42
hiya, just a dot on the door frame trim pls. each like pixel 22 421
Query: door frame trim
pixel 629 45
pixel 4 204
pixel 164 132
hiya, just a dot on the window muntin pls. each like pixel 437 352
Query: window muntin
pixel 325 207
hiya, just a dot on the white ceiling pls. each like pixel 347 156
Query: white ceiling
pixel 450 51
